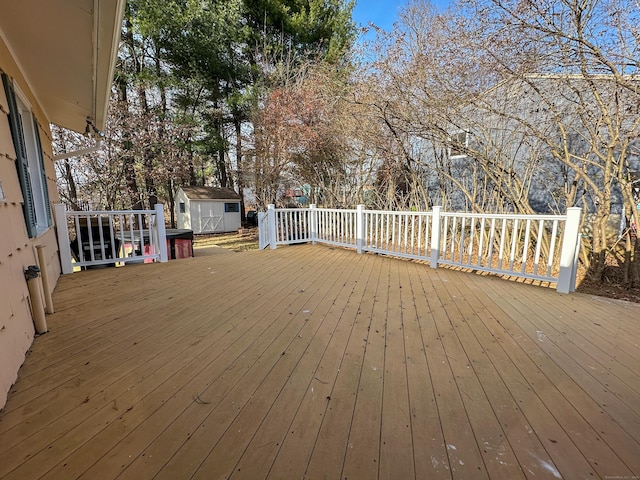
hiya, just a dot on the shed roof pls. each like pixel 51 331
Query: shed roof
pixel 210 193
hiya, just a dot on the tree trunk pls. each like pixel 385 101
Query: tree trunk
pixel 128 160
pixel 599 244
pixel 71 183
pixel 172 204
pixel 237 123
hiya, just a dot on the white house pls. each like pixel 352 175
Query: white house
pixel 208 209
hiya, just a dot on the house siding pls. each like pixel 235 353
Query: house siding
pixel 17 250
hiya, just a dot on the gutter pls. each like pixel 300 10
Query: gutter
pixel 77 153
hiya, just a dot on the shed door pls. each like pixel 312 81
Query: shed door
pixel 211 223
pixel 210 217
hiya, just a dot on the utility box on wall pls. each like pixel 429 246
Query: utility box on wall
pixel 208 209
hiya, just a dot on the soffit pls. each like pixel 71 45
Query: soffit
pixel 66 50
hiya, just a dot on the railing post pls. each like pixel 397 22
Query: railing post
pixel 64 245
pixel 162 232
pixel 360 228
pixel 435 237
pixel 568 257
pixel 271 218
pixel 313 218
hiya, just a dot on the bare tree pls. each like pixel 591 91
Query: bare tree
pixel 577 62
pixel 514 105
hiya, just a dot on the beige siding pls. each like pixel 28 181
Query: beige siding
pixel 17 251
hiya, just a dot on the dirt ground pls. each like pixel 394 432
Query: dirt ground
pixel 611 287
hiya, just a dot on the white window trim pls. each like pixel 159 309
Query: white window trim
pixel 466 144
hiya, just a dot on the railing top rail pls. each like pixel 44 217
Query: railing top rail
pixel 338 210
pixel 392 212
pixel 507 216
pixel 108 212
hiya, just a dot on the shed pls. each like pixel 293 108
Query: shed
pixel 208 209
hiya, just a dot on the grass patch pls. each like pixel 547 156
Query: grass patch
pixel 231 241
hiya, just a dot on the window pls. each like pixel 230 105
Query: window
pixel 183 208
pixel 231 207
pixel 459 143
pixel 29 160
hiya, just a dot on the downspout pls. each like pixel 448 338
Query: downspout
pixel 32 275
pixel 44 274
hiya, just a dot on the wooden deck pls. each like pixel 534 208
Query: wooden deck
pixel 314 362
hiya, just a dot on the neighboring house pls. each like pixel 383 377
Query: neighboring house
pixel 208 209
pixel 511 126
pixel 56 59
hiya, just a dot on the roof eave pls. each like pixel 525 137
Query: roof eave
pixel 66 52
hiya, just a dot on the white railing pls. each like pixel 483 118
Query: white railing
pixel 115 238
pixel 403 234
pixel 539 247
pixel 336 227
pixel 293 225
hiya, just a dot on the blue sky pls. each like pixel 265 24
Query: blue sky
pixel 383 12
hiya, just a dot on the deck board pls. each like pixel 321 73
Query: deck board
pixel 332 442
pixel 315 362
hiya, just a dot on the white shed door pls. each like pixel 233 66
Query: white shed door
pixel 210 217
pixel 211 223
